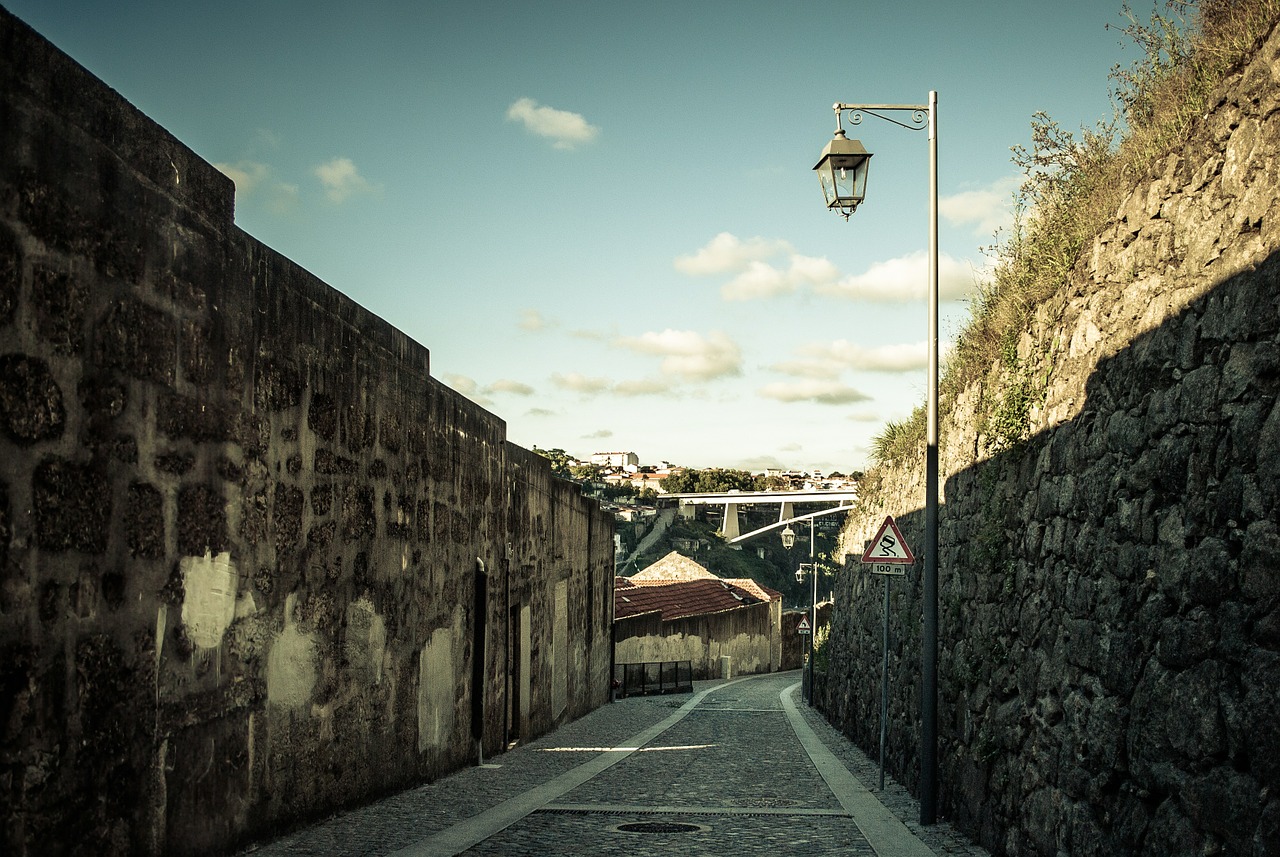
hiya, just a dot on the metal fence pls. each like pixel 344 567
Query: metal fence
pixel 654 678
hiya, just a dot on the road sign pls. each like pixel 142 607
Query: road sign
pixel 803 627
pixel 888 546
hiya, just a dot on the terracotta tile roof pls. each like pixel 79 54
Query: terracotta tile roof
pixel 674 566
pixel 746 584
pixel 681 598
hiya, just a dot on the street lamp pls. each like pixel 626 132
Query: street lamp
pixel 842 171
pixel 788 537
pixel 846 160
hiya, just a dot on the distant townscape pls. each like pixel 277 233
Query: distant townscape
pixel 616 476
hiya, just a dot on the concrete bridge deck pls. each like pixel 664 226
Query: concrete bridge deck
pixel 742 766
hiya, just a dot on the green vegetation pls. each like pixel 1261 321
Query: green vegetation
pixel 559 461
pixel 717 480
pixel 1072 186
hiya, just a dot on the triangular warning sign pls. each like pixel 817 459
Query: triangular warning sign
pixel 804 623
pixel 888 545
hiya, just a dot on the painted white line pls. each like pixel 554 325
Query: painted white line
pixel 464 834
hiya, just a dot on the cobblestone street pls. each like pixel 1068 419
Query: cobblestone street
pixel 739 767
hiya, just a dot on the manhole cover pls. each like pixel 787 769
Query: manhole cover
pixel 659 827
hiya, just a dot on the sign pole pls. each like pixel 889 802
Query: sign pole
pixel 887 554
pixel 884 683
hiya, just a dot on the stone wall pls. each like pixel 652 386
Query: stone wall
pixel 1110 588
pixel 257 563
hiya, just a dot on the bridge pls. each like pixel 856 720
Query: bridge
pixel 842 500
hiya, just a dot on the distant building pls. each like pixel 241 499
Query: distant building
pixel 615 459
pixel 677 610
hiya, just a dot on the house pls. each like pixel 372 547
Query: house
pixel 677 610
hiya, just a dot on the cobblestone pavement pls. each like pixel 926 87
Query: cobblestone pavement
pixel 730 773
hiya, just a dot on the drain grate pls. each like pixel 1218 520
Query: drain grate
pixel 659 827
pixel 765 801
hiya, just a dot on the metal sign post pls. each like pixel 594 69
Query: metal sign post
pixel 887 555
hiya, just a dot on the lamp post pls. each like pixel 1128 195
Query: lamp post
pixel 812 568
pixel 842 171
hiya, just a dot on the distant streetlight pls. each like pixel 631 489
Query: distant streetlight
pixel 842 171
pixel 812 568
pixel 788 538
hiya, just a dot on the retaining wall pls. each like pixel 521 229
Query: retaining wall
pixel 1110 588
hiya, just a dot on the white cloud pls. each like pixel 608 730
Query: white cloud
pixel 905 357
pixel 905 279
pixel 821 392
pixel 988 208
pixel 469 388
pixel 726 253
pixel 247 175
pixel 687 354
pixel 579 383
pixel 253 179
pixel 506 385
pixel 566 129
pixel 766 462
pixel 598 435
pixel 762 280
pixel 815 368
pixel 759 280
pixel 645 387
pixel 539 412
pixel 531 319
pixel 462 384
pixel 341 179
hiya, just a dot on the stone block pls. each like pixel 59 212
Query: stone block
pixel 202 520
pixel 139 340
pixel 59 303
pixel 72 506
pixel 144 521
pixel 30 400
pixel 10 274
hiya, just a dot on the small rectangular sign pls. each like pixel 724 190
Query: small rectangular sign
pixel 884 568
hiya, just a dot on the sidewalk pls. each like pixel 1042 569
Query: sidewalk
pixel 737 768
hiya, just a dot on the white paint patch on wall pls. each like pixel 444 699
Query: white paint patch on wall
pixel 291 664
pixel 437 690
pixel 560 650
pixel 366 640
pixel 209 602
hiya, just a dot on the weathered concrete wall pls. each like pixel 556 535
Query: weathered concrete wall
pixel 748 635
pixel 1110 590
pixel 240 523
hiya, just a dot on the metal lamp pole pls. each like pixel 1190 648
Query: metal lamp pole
pixel 843 174
pixel 813 612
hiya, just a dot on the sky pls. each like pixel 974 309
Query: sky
pixel 601 217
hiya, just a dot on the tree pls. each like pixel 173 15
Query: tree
pixel 713 480
pixel 587 473
pixel 559 461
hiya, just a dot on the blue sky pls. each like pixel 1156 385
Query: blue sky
pixel 600 217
